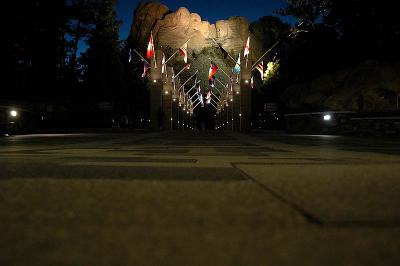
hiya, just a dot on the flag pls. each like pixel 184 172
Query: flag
pixel 130 55
pixel 200 96
pixel 237 66
pixel 225 53
pixel 145 69
pixel 150 46
pixel 213 69
pixel 163 66
pixel 251 81
pixel 260 67
pixel 183 50
pixel 187 66
pixel 247 47
pixel 211 81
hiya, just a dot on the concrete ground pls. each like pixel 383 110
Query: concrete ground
pixel 212 198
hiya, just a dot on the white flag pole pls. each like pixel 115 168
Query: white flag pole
pixel 177 51
pixel 141 57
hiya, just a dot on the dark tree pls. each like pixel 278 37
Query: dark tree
pixel 102 66
pixel 307 11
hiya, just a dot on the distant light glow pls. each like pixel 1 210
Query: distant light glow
pixel 246 81
pixel 154 80
pixel 166 92
pixel 327 117
pixel 13 113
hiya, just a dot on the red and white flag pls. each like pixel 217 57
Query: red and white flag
pixel 187 66
pixel 150 47
pixel 260 67
pixel 247 47
pixel 183 50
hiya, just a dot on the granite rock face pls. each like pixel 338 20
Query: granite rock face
pixel 174 28
pixel 146 15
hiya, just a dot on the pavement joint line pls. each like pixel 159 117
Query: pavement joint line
pixel 312 218
pixel 307 215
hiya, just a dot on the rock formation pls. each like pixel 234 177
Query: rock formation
pixel 174 28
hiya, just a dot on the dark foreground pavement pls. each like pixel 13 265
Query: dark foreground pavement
pixel 199 199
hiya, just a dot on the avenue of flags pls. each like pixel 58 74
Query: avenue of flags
pixel 184 96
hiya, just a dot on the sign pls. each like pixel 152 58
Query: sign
pixel 270 107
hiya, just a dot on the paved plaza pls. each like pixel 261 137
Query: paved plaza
pixel 199 198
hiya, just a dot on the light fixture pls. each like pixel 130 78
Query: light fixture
pixel 237 92
pixel 13 113
pixel 247 81
pixel 240 114
pixel 327 117
pixel 154 80
pixel 166 92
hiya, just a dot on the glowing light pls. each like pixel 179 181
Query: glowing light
pixel 154 80
pixel 166 92
pixel 327 117
pixel 237 92
pixel 247 81
pixel 13 113
pixel 240 114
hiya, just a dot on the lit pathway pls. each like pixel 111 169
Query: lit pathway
pixel 198 199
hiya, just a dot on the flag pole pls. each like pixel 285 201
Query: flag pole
pixel 217 89
pixel 196 99
pixel 188 80
pixel 213 105
pixel 194 94
pixel 225 50
pixel 275 44
pixel 176 51
pixel 196 105
pixel 141 57
pixel 220 82
pixel 192 87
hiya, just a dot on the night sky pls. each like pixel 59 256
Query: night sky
pixel 208 10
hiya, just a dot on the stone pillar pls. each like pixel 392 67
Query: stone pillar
pixel 245 92
pixel 175 105
pixel 155 87
pixel 236 107
pixel 167 99
pixel 230 113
